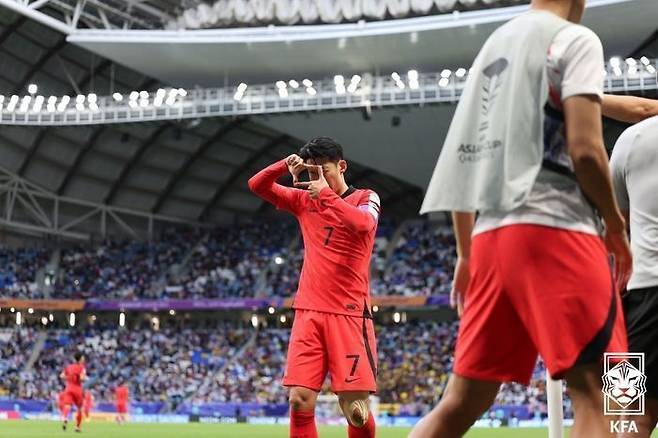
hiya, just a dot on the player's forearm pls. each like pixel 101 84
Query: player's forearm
pixel 264 185
pixel 628 109
pixel 357 220
pixel 591 169
pixel 463 223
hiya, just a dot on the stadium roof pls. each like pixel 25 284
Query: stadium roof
pixel 195 170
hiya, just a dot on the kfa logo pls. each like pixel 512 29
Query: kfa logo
pixel 624 386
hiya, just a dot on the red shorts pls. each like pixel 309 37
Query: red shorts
pixel 122 408
pixel 74 396
pixel 341 345
pixel 536 289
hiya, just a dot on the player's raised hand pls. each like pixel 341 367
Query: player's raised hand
pixel 295 166
pixel 460 285
pixel 315 186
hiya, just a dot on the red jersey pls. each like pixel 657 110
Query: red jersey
pixel 121 394
pixel 73 374
pixel 339 235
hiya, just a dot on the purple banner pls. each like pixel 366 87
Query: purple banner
pixel 438 300
pixel 160 305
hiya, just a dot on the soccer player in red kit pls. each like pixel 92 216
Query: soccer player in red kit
pixel 121 399
pixel 74 375
pixel 87 404
pixel 333 330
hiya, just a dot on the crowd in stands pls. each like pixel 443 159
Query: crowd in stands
pixel 421 264
pixel 257 259
pixel 167 365
pixel 233 363
pixel 18 271
pixel 123 269
pixel 15 348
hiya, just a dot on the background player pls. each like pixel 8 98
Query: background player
pixel 74 374
pixel 553 235
pixel 333 329
pixel 121 401
pixel 634 166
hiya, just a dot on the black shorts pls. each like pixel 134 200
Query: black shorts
pixel 641 312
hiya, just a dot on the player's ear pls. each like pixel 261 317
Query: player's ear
pixel 342 166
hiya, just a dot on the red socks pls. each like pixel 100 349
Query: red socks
pixel 78 418
pixel 302 424
pixel 367 431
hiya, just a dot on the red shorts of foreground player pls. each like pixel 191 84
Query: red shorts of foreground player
pixel 342 345
pixel 122 408
pixel 74 396
pixel 537 289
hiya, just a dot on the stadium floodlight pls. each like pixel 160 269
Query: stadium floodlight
pixel 396 317
pixel 2 98
pixel 444 82
pixel 52 100
pixel 65 100
pixel 72 319
pixel 79 107
pixel 375 308
pixel 94 107
pixel 30 310
pixel 144 94
pixel 281 85
pixel 283 93
pixel 134 95
pixel 395 76
pixel 311 91
pixel 355 79
pixel 12 310
pixel 307 83
pixel 51 317
pixel 132 104
pixel 118 97
pixel 339 79
pixel 242 87
pixel 412 75
pixel 51 109
pixel 144 103
pixel 80 98
pixel 651 69
pixel 446 73
pixel 631 61
pixel 617 71
pixel 615 61
pixel 461 72
pixel 293 84
pixel 644 60
pixel 122 319
pixel 32 88
pixel 254 321
pixel 19 318
pixel 92 97
pixel 278 260
pixel 161 93
pixel 182 92
pixel 270 310
pixel 44 320
pixel 283 319
pixel 172 312
pixel 170 101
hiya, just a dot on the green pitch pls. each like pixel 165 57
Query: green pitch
pixel 50 429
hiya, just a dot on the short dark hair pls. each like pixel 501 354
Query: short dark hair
pixel 320 148
pixel 78 355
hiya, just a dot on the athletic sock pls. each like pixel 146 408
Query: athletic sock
pixel 302 424
pixel 366 431
pixel 78 419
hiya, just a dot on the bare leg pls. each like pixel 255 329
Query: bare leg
pixel 645 423
pixel 584 385
pixel 464 401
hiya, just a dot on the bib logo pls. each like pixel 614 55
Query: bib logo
pixel 624 386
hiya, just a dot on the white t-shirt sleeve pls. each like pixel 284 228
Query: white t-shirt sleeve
pixel 581 62
pixel 618 170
